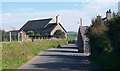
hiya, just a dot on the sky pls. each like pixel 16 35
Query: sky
pixel 16 14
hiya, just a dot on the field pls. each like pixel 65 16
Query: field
pixel 71 37
pixel 17 53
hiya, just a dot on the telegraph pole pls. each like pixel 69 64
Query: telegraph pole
pixel 81 22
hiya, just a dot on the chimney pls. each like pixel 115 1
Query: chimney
pixel 57 19
pixel 119 8
pixel 109 14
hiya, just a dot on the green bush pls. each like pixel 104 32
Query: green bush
pixel 30 33
pixel 114 34
pixel 105 42
pixel 100 44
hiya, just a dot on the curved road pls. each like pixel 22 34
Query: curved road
pixel 63 58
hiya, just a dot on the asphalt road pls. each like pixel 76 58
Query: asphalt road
pixel 64 58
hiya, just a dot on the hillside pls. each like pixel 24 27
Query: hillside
pixel 71 32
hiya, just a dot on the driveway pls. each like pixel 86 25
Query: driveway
pixel 64 58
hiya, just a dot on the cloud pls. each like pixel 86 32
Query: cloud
pixel 99 7
pixel 69 18
pixel 104 0
pixel 25 10
pixel 60 0
pixel 0 16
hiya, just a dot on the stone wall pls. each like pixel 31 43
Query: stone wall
pixel 80 42
pixel 83 41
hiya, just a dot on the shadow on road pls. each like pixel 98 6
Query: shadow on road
pixel 65 49
pixel 62 62
pixel 68 47
pixel 60 58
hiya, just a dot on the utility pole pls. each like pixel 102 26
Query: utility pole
pixel 80 21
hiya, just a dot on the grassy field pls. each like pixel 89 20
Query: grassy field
pixel 71 37
pixel 17 53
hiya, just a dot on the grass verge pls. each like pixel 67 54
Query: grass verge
pixel 14 54
pixel 109 62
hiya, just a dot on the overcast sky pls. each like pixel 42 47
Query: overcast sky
pixel 16 14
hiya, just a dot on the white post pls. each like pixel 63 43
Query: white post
pixel 10 35
pixel 18 36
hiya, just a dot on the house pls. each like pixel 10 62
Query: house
pixel 5 35
pixel 16 35
pixel 13 35
pixel 44 27
pixel 10 35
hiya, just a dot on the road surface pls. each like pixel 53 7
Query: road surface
pixel 64 58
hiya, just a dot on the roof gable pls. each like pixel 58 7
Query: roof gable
pixel 62 27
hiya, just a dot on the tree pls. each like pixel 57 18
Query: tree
pixel 30 33
pixel 59 34
pixel 98 26
pixel 114 33
pixel 98 37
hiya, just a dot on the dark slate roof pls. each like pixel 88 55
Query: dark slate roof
pixel 35 24
pixel 49 28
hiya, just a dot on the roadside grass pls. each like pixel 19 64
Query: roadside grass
pixel 15 54
pixel 109 62
pixel 0 56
